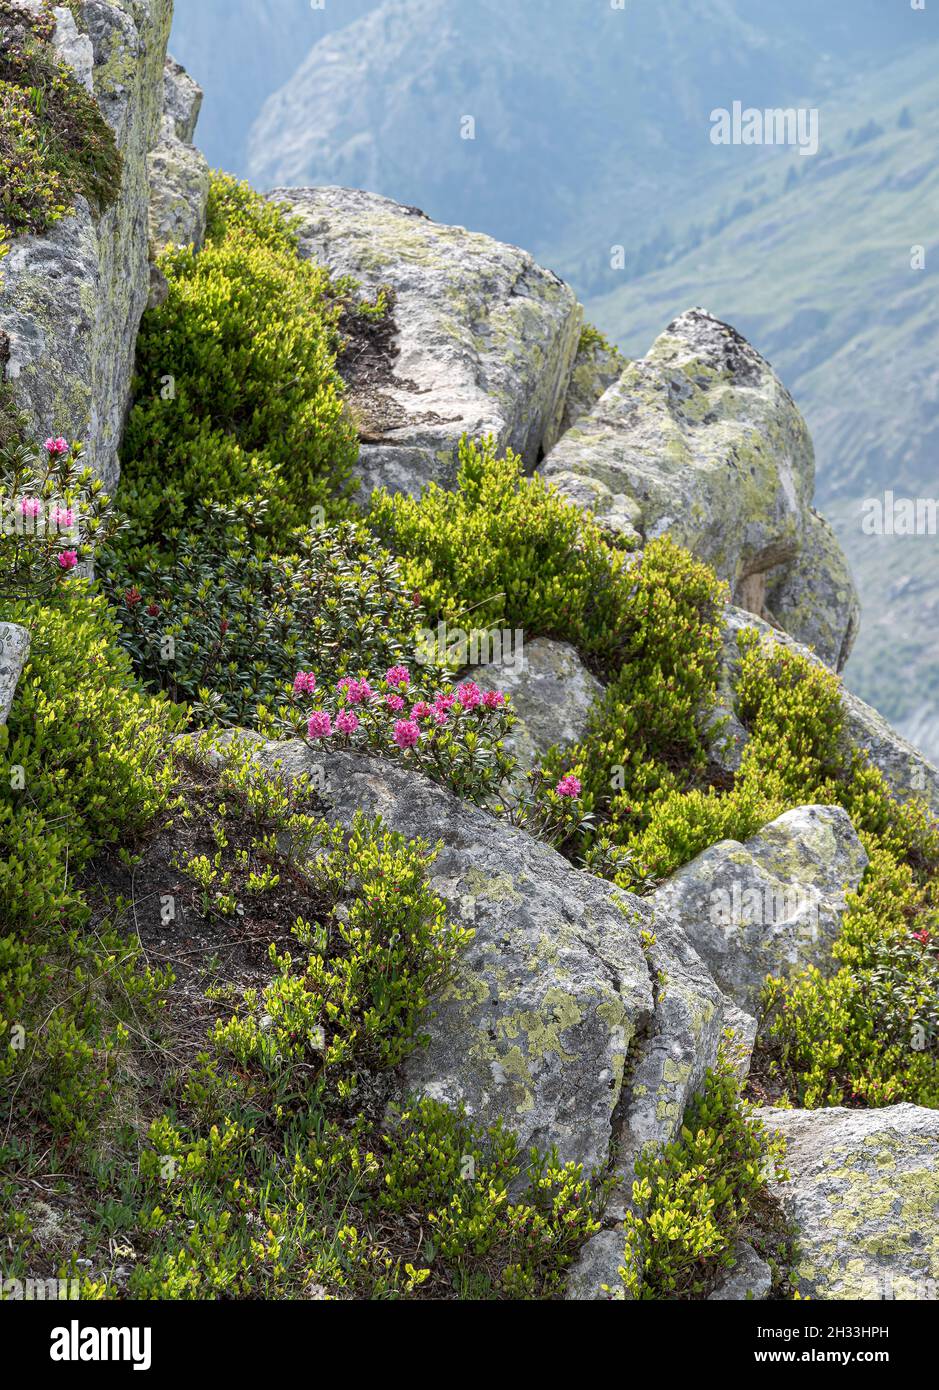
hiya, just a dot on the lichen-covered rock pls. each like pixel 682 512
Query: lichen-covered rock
pixel 485 338
pixel 552 693
pixel 751 1277
pixel 554 989
pixel 179 174
pixel 701 439
pixel 906 771
pixel 71 300
pixel 691 1019
pixel 863 1196
pixel 182 100
pixel 597 365
pixel 814 598
pixel 14 651
pixel 770 906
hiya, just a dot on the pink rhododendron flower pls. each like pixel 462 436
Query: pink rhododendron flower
pixel 347 722
pixel 68 559
pixel 469 695
pixel 398 675
pixel 30 506
pixel 357 692
pixel 56 446
pixel 63 516
pixel 304 683
pixel 319 724
pixel 444 702
pixel 421 710
pixel 568 786
pixel 922 936
pixel 407 733
pixel 493 699
pixel 394 702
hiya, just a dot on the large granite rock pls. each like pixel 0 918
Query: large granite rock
pixel 772 905
pixel 558 1020
pixel 179 174
pixel 863 1196
pixel 14 651
pixel 906 771
pixel 485 339
pixel 701 439
pixel 552 693
pixel 71 300
pixel 597 366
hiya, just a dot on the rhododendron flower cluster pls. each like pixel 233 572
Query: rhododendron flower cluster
pixel 454 734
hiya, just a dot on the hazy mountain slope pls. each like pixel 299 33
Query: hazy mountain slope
pixel 242 50
pixel 819 276
pixel 574 104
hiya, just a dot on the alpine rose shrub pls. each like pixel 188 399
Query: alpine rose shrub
pixel 454 735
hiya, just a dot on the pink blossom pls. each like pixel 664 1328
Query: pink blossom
pixel 68 559
pixel 56 446
pixel 63 516
pixel 440 716
pixel 398 675
pixel 568 786
pixel 30 506
pixel 347 722
pixel 922 936
pixel 319 724
pixel 421 710
pixel 357 692
pixel 469 695
pixel 444 702
pixel 407 733
pixel 304 683
pixel 394 702
pixel 493 699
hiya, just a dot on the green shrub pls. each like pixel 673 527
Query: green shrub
pixel 506 550
pixel 83 763
pixel 224 625
pixel 54 143
pixel 237 394
pixel 692 1198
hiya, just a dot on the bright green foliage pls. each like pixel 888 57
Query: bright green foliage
pixel 445 1171
pixel 82 764
pixel 646 736
pixel 692 1198
pixel 54 143
pixel 371 966
pixel 237 394
pixel 243 622
pixel 506 550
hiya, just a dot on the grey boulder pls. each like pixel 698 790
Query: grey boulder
pixel 485 339
pixel 863 1196
pixel 14 652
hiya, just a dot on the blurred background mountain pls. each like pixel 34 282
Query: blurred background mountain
pixel 592 129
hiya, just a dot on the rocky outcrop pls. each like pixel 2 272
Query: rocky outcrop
pixel 565 1019
pixel 863 1196
pixel 772 905
pixel 701 439
pixel 179 173
pixel 751 1277
pixel 72 299
pixel 552 693
pixel 484 344
pixel 906 771
pixel 14 652
pixel 596 367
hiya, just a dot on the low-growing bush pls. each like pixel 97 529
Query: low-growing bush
pixel 507 550
pixel 224 626
pixel 692 1198
pixel 237 394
